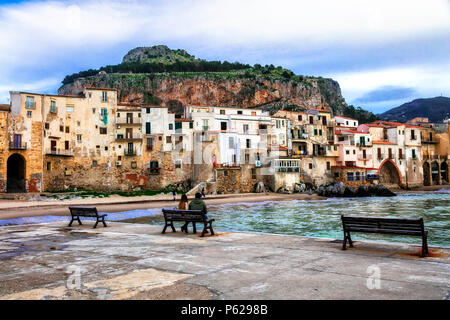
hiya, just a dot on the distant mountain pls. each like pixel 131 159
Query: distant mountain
pixel 435 109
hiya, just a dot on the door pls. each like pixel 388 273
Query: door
pixel 129 118
pixel 53 145
pixel 130 148
pixel 129 133
pixel 17 141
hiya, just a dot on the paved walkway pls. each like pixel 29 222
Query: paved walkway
pixel 130 261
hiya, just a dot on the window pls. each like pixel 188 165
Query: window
pixel 49 166
pixel 347 151
pixel 67 130
pixel 350 176
pixel 245 128
pixel 247 158
pixel 90 95
pixel 103 130
pixel 315 132
pixel 147 110
pixel 311 120
pixel 239 112
pixel 223 126
pixel 61 128
pixel 178 164
pixel 104 96
pixel 66 145
pixel 191 125
pixel 205 125
pixel 70 108
pixel 320 132
pixel 248 143
pixel 299 118
pixel 328 165
pixel 222 111
pixel 94 163
pixel 47 125
pixel 413 153
pixel 253 173
pixel 148 127
pixel 149 144
pixel 168 139
pixel 93 110
pixel 78 123
pixel 154 167
pixel 133 165
pixel 29 114
pixel 79 137
pixel 53 106
pixel 170 126
pixel 30 104
pixel 225 173
pixel 358 176
pixel 178 126
pixel 231 143
pixel 310 166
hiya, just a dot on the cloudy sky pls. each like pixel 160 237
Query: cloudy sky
pixel 383 53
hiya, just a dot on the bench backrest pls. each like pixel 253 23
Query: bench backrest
pixel 83 211
pixel 370 223
pixel 184 215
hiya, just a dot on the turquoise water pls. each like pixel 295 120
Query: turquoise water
pixel 321 218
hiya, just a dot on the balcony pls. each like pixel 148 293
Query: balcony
pixel 133 137
pixel 153 171
pixel 128 123
pixel 364 157
pixel 17 146
pixel 59 152
pixel 300 136
pixel 130 152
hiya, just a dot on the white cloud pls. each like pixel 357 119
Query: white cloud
pixel 37 34
pixel 427 80
pixel 35 86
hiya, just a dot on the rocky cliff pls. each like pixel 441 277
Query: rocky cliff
pixel 267 87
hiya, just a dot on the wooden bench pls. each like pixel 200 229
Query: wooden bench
pixel 405 226
pixel 187 216
pixel 78 212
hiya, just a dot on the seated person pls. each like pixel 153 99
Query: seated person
pixel 196 204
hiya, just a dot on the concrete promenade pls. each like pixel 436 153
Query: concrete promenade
pixel 131 261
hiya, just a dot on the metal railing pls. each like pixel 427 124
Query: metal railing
pixel 130 152
pixel 129 137
pixel 17 146
pixel 59 152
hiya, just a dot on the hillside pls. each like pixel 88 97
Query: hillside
pixel 161 76
pixel 435 109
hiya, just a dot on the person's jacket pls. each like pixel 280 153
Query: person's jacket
pixel 198 204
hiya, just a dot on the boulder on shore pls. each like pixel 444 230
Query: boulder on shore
pixel 340 190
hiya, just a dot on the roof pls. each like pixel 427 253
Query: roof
pixel 125 103
pixel 320 110
pixel 183 120
pixel 382 142
pixel 346 118
pixel 5 107
pixel 102 89
pixel 220 107
pixel 353 131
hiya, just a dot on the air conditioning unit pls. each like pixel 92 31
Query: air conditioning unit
pixel 118 163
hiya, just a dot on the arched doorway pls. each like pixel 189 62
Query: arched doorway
pixel 15 182
pixel 426 174
pixel 444 172
pixel 389 173
pixel 435 172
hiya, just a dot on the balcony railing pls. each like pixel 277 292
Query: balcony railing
pixel 300 136
pixel 17 146
pixel 130 152
pixel 127 122
pixel 153 170
pixel 59 152
pixel 129 137
pixel 364 157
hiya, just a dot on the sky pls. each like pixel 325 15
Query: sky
pixel 383 53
